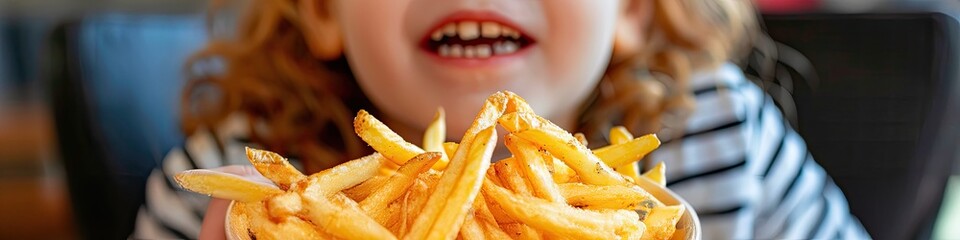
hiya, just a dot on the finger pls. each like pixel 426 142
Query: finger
pixel 213 221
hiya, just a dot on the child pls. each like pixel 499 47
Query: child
pixel 298 70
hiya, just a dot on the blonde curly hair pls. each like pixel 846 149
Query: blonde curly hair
pixel 300 106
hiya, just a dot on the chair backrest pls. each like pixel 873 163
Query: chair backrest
pixel 116 104
pixel 883 118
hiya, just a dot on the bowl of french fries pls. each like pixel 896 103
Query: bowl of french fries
pixel 552 187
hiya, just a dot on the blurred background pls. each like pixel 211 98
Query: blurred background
pixel 89 90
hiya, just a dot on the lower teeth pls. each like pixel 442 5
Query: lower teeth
pixel 477 51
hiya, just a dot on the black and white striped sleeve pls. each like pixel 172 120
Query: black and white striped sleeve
pixel 170 212
pixel 746 172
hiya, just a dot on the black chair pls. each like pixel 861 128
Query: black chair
pixel 116 83
pixel 881 113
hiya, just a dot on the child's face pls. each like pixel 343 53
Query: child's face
pixel 411 56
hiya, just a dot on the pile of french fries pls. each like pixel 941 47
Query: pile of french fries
pixel 552 187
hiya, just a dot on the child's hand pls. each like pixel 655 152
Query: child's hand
pixel 215 217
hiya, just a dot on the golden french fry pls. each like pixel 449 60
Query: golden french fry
pixel 343 176
pixel 450 148
pixel 494 107
pixel 531 164
pixel 509 175
pixel 433 139
pixel 499 215
pixel 415 200
pixel 581 138
pixel 225 185
pixel 383 139
pixel 657 174
pixel 521 231
pixel 662 222
pixel 492 230
pixel 393 214
pixel 629 170
pixel 631 151
pixel 388 168
pixel 471 229
pixel 287 204
pixel 563 219
pixel 493 208
pixel 561 172
pixel 399 227
pixel 375 204
pixel 620 135
pixel 458 187
pixel 274 167
pixel 608 197
pixel 363 190
pixel 329 213
pixel 288 227
pixel 562 145
pixel 481 211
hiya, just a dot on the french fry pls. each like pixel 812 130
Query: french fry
pixel 563 219
pixel 381 138
pixel 563 145
pixel 631 151
pixel 363 190
pixel 608 197
pixel 509 172
pixel 343 176
pixel 581 138
pixel 560 172
pixel 509 175
pixel 417 198
pixel 494 107
pixel 388 168
pixel 433 139
pixel 393 214
pixel 329 212
pixel 492 230
pixel 662 221
pixel 450 148
pixel 499 215
pixel 286 204
pixel 288 227
pixel 657 174
pixel 458 187
pixel 531 164
pixel 225 185
pixel 521 231
pixel 471 229
pixel 620 135
pixel 375 205
pixel 274 167
pixel 481 210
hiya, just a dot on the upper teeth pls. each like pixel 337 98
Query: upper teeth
pixel 469 30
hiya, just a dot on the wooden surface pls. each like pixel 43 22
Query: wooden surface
pixel 34 203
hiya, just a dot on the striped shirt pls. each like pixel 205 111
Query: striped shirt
pixel 744 170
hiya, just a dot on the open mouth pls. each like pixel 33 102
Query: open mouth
pixel 475 39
